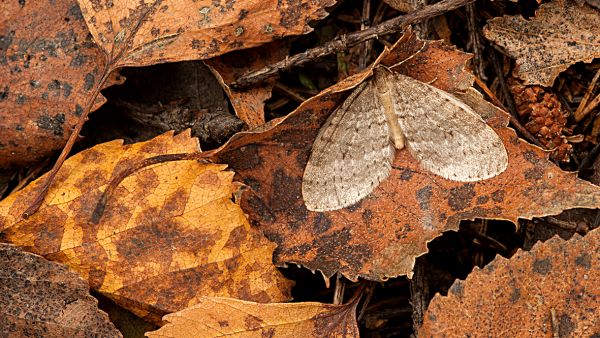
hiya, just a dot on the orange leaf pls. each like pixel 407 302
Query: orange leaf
pixel 219 317
pixel 145 33
pixel 49 68
pixel 170 232
pixel 551 291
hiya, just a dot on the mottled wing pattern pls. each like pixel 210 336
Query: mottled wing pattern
pixel 351 155
pixel 444 134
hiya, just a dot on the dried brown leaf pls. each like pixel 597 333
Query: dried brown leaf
pixel 550 291
pixel 49 67
pixel 220 317
pixel 170 233
pixel 248 103
pixel 39 298
pixel 561 34
pixel 144 33
pixel 380 236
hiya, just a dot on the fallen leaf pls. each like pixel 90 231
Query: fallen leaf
pixel 145 33
pixel 381 236
pixel 249 103
pixel 550 291
pixel 170 233
pixel 220 317
pixel 39 298
pixel 49 67
pixel 561 34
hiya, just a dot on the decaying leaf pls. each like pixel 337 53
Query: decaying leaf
pixel 356 146
pixel 39 298
pixel 226 317
pixel 550 291
pixel 145 33
pixel 248 103
pixel 381 236
pixel 170 233
pixel 49 67
pixel 561 34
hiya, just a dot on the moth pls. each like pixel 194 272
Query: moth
pixel 355 148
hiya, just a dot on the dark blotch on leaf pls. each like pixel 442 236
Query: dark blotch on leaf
pixel 498 196
pixel 54 124
pixel 424 197
pixel 565 326
pixel 542 266
pixel 89 81
pixel 584 260
pixel 457 289
pixel 321 224
pixel 461 197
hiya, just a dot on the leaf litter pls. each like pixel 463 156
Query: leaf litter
pixel 380 238
pixel 166 224
pixel 377 238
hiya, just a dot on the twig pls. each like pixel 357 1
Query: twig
pixel 112 62
pixel 347 40
pixel 579 113
pixel 365 48
pixel 476 45
pixel 340 287
pixel 593 104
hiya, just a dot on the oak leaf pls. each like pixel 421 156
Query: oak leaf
pixel 170 233
pixel 381 236
pixel 560 34
pixel 220 317
pixel 45 299
pixel 49 67
pixel 550 291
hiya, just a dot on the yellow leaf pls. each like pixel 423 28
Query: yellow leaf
pixel 220 317
pixel 170 232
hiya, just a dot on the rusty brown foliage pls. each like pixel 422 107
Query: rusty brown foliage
pixel 550 291
pixel 381 236
pixel 49 68
pixel 169 234
pixel 43 298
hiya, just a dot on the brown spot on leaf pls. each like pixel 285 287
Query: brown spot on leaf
pixel 542 266
pixel 498 196
pixel 461 197
pixel 424 197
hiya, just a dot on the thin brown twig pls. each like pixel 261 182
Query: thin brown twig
pixel 591 106
pixel 475 38
pixel 365 48
pixel 45 185
pixel 111 65
pixel 121 175
pixel 579 113
pixel 344 41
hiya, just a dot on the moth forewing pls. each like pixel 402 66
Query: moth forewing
pixel 351 155
pixel 446 135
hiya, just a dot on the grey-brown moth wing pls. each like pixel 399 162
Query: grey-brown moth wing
pixel 444 134
pixel 351 155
